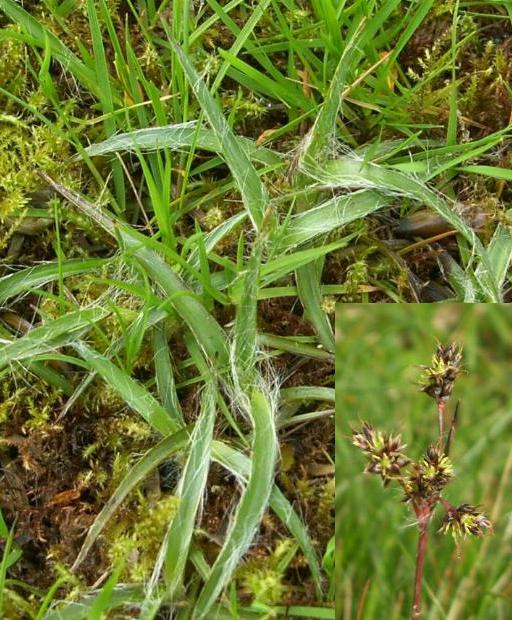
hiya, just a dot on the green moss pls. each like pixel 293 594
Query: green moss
pixel 488 80
pixel 13 55
pixel 357 274
pixel 24 151
pixel 137 539
pixel 265 584
pixel 213 217
pixel 263 577
pixel 33 402
pixel 244 106
pixel 329 304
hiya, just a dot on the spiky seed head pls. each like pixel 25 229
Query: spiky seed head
pixel 464 520
pixel 438 378
pixel 384 452
pixel 429 476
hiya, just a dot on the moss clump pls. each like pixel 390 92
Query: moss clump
pixel 32 403
pixel 264 577
pixel 24 150
pixel 137 540
pixel 12 66
pixel 213 217
pixel 357 274
pixel 488 81
pixel 329 304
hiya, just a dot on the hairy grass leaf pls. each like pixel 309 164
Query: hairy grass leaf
pixel 249 184
pixel 133 393
pixel 250 508
pixel 177 137
pixel 240 465
pixel 51 335
pixel 153 457
pixel 348 172
pixel 33 278
pixel 191 489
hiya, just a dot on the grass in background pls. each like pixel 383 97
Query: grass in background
pixel 377 354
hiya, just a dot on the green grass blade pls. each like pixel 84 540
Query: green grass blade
pixel 351 172
pixel 412 25
pixel 322 132
pixel 241 40
pixel 165 375
pixel 329 215
pixel 279 267
pixel 489 171
pixel 123 594
pixel 51 376
pixel 202 324
pixel 314 147
pixel 284 510
pixel 253 192
pixel 245 329
pixel 4 565
pixel 307 392
pixel 212 238
pixel 257 81
pixel 102 601
pixel 50 595
pixel 451 130
pixel 308 280
pixel 251 507
pixel 240 465
pixel 191 489
pixel 177 137
pixel 132 392
pixel 57 332
pixel 60 51
pixel 106 94
pixel 36 277
pixel 499 251
pixel 468 151
pixel 461 282
pixel 153 457
pixel 310 295
pixel 290 345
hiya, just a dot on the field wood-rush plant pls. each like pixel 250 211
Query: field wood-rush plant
pixel 186 191
pixel 423 481
pixel 103 343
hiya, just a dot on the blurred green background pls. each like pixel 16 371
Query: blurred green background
pixel 378 350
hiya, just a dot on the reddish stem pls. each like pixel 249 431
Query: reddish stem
pixel 423 512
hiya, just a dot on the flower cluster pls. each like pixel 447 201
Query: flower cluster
pixel 438 378
pixel 423 481
pixel 464 520
pixel 384 452
pixel 428 477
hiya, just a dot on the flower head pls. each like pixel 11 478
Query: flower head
pixel 384 452
pixel 438 378
pixel 429 476
pixel 464 520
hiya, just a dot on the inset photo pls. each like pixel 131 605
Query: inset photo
pixel 423 462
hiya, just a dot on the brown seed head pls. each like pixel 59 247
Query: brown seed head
pixel 429 476
pixel 438 378
pixel 464 520
pixel 384 452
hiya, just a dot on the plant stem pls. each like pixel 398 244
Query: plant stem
pixel 440 414
pixel 423 513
